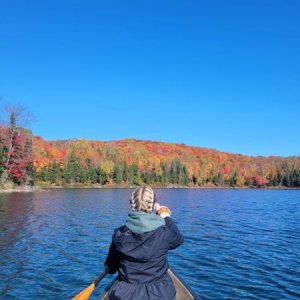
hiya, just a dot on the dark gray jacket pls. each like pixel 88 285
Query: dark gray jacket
pixel 140 259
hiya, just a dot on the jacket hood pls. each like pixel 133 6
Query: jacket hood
pixel 137 239
pixel 140 222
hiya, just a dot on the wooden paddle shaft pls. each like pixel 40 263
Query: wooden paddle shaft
pixel 102 275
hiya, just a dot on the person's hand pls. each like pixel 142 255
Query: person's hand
pixel 164 211
pixel 156 207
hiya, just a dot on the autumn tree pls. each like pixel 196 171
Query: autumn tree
pixel 107 171
pixel 135 162
pixel 16 146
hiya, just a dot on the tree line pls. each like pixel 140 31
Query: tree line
pixel 175 174
pixel 26 160
pixel 109 174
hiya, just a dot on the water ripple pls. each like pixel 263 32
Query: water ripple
pixel 239 244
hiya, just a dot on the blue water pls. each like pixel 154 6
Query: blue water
pixel 239 244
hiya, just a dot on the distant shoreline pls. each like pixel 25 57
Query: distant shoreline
pixel 27 189
pixel 24 189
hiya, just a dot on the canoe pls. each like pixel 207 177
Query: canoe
pixel 183 291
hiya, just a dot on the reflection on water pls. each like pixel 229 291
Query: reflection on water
pixel 238 243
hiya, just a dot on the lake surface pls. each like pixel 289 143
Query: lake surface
pixel 238 243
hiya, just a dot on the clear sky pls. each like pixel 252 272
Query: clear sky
pixel 217 74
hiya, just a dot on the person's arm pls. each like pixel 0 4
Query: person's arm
pixel 175 238
pixel 112 261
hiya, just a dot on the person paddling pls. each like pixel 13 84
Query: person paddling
pixel 138 250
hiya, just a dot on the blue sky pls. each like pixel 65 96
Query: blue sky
pixel 217 74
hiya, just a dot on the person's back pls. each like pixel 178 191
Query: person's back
pixel 138 251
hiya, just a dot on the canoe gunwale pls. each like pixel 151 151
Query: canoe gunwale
pixel 171 273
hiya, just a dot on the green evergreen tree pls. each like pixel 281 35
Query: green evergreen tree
pixel 184 176
pixel 117 175
pixel 296 179
pixel 233 178
pixel 286 180
pixel 174 172
pixel 216 180
pixel 135 175
pixel 148 177
pixel 178 173
pixel 164 174
pixel 42 174
pixel 93 175
pixel 124 172
pixel 73 172
pixel 103 178
pixel 54 172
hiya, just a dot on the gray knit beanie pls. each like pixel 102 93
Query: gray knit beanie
pixel 143 199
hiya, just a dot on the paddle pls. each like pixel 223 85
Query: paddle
pixel 85 294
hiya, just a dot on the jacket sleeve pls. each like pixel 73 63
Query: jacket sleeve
pixel 112 261
pixel 174 236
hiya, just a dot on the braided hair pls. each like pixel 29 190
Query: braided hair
pixel 143 199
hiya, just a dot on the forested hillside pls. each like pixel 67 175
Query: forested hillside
pixel 27 159
pixel 134 162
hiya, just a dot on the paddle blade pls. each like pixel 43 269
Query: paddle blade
pixel 85 294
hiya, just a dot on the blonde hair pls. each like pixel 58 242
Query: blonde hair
pixel 143 199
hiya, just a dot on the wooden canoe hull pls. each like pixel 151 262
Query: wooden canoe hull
pixel 183 292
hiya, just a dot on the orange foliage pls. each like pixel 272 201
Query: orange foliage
pixel 148 155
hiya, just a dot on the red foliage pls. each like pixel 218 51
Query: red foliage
pixel 226 170
pixel 15 158
pixel 203 163
pixel 260 181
